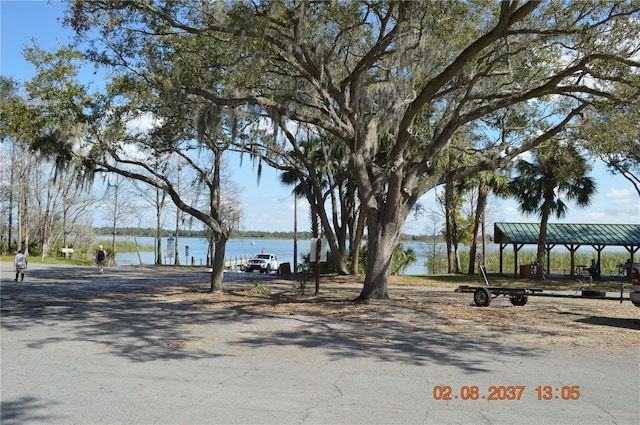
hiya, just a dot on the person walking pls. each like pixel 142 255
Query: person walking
pixel 101 256
pixel 20 265
pixel 593 269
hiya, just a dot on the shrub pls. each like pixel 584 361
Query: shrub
pixel 260 288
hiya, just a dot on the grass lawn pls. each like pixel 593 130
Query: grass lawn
pixel 52 260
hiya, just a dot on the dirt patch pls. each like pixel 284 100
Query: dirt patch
pixel 565 322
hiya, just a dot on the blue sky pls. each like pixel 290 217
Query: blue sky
pixel 269 206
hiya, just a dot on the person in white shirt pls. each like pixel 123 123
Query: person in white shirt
pixel 101 256
pixel 20 265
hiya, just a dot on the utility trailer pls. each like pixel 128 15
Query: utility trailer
pixel 482 295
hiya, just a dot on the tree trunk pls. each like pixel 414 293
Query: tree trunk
pixel 448 225
pixel 382 238
pixel 379 256
pixel 457 269
pixel 479 217
pixel 217 273
pixel 114 263
pixel 64 226
pixel 357 241
pixel 338 256
pixel 10 210
pixel 541 247
pixel 25 217
pixel 158 228
pixel 176 260
pixel 542 240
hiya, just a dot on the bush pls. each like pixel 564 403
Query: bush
pixel 302 287
pixel 260 288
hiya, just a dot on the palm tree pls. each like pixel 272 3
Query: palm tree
pixel 325 179
pixel 486 182
pixel 402 258
pixel 556 171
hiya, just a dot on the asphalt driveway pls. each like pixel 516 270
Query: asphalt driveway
pixel 83 348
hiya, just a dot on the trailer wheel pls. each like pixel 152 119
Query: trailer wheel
pixel 482 297
pixel 519 299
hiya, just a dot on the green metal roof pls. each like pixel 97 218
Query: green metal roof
pixel 569 234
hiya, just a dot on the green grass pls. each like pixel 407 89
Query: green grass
pixel 260 288
pixel 82 258
pixel 52 260
pixel 127 245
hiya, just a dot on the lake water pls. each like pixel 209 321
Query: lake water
pixel 239 249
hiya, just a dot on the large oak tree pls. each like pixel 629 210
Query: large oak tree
pixel 391 81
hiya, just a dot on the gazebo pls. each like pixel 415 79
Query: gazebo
pixel 571 236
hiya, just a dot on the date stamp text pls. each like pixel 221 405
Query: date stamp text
pixel 506 392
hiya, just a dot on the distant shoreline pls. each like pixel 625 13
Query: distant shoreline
pixel 245 234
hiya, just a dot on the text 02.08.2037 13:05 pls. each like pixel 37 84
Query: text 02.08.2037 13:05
pixel 505 392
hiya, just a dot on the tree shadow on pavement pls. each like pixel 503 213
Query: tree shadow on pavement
pixel 130 322
pixel 399 344
pixel 26 409
pixel 119 313
pixel 123 314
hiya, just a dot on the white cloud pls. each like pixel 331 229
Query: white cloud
pixel 142 123
pixel 132 152
pixel 621 195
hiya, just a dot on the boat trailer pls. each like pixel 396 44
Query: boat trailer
pixel 482 295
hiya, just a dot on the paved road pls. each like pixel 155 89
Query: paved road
pixel 127 358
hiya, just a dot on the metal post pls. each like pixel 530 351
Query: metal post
pixel 318 248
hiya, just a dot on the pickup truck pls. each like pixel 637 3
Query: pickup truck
pixel 266 263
